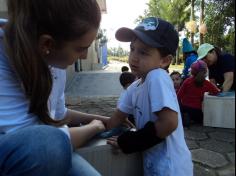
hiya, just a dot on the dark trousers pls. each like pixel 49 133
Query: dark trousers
pixel 191 115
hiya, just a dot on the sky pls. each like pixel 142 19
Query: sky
pixel 121 13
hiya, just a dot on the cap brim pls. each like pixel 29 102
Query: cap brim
pixel 124 34
pixel 127 35
pixel 201 57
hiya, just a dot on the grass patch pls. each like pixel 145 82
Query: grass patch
pixel 120 59
pixel 125 59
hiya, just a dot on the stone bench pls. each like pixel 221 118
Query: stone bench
pixel 219 111
pixel 109 161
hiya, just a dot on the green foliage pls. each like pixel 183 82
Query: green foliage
pixel 219 18
pixel 220 21
pixel 116 58
pixel 119 52
pixel 174 11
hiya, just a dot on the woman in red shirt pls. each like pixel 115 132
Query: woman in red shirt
pixel 192 91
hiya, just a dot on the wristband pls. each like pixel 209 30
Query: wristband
pixel 138 141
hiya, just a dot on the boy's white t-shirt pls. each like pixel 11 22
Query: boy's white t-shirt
pixel 171 157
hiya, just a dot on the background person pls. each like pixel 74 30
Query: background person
pixel 124 69
pixel 221 66
pixel 189 57
pixel 126 79
pixel 177 80
pixel 192 91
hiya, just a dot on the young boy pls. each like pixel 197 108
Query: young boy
pixel 177 80
pixel 191 93
pixel 153 102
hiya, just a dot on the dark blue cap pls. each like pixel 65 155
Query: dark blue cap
pixel 154 32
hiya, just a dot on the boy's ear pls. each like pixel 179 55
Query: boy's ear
pixel 166 61
pixel 45 44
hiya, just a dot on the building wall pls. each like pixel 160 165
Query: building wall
pixel 91 63
pixel 3 9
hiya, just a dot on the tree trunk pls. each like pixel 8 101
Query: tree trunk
pixel 201 40
pixel 192 18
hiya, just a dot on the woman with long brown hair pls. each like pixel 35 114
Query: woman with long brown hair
pixel 39 41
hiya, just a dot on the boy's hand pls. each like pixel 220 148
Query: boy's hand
pixel 113 141
pixel 128 124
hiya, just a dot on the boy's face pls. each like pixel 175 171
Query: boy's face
pixel 176 80
pixel 144 58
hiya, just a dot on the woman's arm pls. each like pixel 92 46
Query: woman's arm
pixel 76 117
pixel 80 135
pixel 228 81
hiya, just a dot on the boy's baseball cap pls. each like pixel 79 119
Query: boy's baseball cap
pixel 152 31
pixel 203 50
pixel 198 66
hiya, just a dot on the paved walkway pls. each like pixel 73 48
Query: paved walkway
pixel 213 149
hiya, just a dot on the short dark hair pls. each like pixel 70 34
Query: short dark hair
pixel 127 78
pixel 124 68
pixel 175 73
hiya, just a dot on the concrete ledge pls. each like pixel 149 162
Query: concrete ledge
pixel 219 111
pixel 111 162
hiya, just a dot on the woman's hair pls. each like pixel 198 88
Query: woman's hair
pixel 218 51
pixel 64 20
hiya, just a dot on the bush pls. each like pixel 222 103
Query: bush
pixel 120 59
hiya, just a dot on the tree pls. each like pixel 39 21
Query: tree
pixel 174 11
pixel 220 21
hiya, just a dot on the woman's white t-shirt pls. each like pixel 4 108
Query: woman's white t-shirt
pixel 14 105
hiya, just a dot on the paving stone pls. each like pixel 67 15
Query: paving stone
pixel 200 128
pixel 231 156
pixel 202 171
pixel 204 142
pixel 72 100
pixel 226 130
pixel 216 146
pixel 209 158
pixel 191 144
pixel 193 135
pixel 223 136
pixel 227 172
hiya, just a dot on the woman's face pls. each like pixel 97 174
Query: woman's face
pixel 210 58
pixel 71 51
